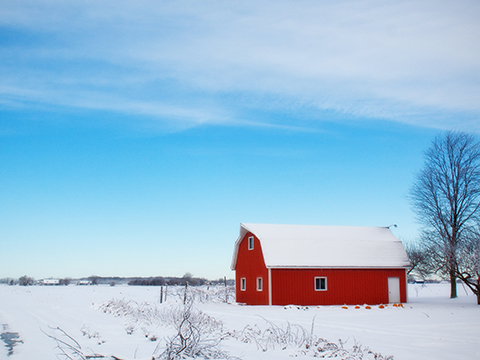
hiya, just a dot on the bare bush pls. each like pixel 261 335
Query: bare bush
pixel 198 335
pixel 142 313
pixel 300 341
pixel 275 336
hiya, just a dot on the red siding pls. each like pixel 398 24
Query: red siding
pixel 344 286
pixel 250 265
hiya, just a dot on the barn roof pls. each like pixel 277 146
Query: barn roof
pixel 306 246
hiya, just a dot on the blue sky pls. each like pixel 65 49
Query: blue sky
pixel 136 136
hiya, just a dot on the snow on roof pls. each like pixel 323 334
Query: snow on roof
pixel 326 246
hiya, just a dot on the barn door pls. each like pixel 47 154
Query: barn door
pixel 393 290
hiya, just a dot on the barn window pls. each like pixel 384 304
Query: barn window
pixel 250 243
pixel 243 284
pixel 259 284
pixel 320 284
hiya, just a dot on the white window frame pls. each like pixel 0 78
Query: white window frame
pixel 251 242
pixel 259 284
pixel 320 283
pixel 243 284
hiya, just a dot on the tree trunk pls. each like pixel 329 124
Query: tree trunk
pixel 453 285
pixel 478 298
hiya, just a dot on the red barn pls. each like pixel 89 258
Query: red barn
pixel 319 265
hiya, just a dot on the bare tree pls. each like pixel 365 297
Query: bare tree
pixel 468 264
pixel 446 197
pixel 65 281
pixel 26 280
pixel 420 264
pixel 94 279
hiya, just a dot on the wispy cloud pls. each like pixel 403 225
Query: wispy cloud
pixel 206 62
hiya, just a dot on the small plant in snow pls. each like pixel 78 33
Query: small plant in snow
pixel 92 334
pixel 68 347
pixel 129 329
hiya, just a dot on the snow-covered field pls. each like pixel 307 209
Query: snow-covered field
pixel 429 326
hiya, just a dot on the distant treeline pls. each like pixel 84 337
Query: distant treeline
pixel 160 281
pixel 134 281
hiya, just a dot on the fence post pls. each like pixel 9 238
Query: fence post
pixel 226 292
pixel 185 295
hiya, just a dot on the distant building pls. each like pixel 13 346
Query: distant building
pixel 319 265
pixel 49 282
pixel 84 282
